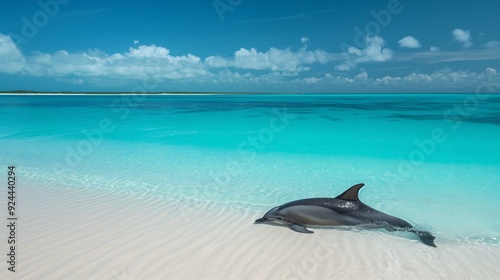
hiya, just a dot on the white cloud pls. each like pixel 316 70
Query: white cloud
pixel 148 51
pixel 374 51
pixel 388 80
pixel 136 42
pixel 490 71
pixel 409 42
pixel 274 59
pixel 346 66
pixel 456 81
pixel 280 69
pixel 11 58
pixel 463 37
pixel 362 76
pixel 151 61
pixel 218 62
pixel 138 63
pixel 492 44
pixel 416 77
pixel 304 40
pixel 434 49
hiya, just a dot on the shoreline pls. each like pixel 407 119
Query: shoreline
pixel 87 234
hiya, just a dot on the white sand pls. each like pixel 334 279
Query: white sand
pixel 83 234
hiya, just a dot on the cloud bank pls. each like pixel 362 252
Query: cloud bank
pixel 277 68
pixel 453 81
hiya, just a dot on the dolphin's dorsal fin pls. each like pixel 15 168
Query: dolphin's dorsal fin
pixel 351 193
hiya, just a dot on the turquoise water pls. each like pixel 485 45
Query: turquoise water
pixel 431 159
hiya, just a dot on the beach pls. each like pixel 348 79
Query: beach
pixel 168 187
pixel 80 234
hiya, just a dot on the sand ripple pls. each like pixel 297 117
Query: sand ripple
pixel 87 234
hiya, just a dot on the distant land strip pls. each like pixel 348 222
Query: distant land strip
pixel 149 92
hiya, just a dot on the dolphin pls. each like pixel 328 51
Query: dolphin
pixel 343 210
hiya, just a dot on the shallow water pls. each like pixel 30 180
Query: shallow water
pixel 431 159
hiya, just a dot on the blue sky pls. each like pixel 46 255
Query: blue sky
pixel 250 45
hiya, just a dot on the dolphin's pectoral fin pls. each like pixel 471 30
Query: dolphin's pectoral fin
pixel 299 228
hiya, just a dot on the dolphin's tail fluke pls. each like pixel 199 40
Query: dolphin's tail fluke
pixel 426 237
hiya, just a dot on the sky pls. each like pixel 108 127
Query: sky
pixel 250 45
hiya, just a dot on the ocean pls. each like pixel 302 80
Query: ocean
pixel 431 159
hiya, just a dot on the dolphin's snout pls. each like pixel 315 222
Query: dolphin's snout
pixel 261 220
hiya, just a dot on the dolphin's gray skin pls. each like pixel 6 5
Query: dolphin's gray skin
pixel 344 210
